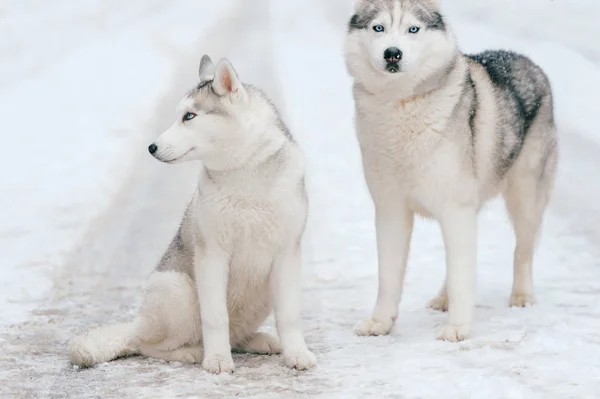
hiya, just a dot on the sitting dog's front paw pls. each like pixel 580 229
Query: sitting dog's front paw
pixel 220 363
pixel 300 360
pixel 372 327
pixel 454 333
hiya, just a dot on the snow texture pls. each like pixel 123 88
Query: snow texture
pixel 85 213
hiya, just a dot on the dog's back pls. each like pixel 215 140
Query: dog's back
pixel 522 95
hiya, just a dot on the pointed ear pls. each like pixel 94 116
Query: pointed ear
pixel 227 81
pixel 206 70
pixel 358 4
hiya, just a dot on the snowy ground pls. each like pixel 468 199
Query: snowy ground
pixel 85 213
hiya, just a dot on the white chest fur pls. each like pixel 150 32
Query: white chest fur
pixel 250 220
pixel 412 148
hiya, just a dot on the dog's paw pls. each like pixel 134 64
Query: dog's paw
pixel 439 303
pixel 522 300
pixel 371 327
pixel 263 344
pixel 188 355
pixel 300 360
pixel 454 333
pixel 220 363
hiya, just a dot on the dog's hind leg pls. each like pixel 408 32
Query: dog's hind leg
pixel 526 219
pixel 526 196
pixel 526 208
pixel 103 344
pixel 169 316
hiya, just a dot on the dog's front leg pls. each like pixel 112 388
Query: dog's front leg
pixel 394 225
pixel 459 229
pixel 212 270
pixel 286 289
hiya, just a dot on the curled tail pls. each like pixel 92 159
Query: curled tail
pixel 104 344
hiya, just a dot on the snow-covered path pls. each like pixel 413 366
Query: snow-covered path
pixel 293 50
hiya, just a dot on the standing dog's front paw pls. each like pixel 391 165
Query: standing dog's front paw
pixel 454 333
pixel 300 360
pixel 372 327
pixel 220 363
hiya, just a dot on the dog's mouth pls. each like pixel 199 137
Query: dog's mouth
pixel 179 157
pixel 392 67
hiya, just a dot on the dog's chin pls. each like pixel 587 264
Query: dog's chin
pixel 388 69
pixel 174 160
pixel 393 67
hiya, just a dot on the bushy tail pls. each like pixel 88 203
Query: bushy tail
pixel 104 344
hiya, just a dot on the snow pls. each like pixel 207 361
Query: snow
pixel 83 89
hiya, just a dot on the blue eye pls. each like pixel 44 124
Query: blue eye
pixel 378 28
pixel 414 29
pixel 188 116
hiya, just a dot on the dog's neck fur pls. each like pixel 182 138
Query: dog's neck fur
pixel 438 79
pixel 262 164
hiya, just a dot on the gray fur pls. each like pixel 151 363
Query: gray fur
pixel 364 16
pixel 471 98
pixel 179 256
pixel 368 10
pixel 206 100
pixel 205 70
pixel 521 88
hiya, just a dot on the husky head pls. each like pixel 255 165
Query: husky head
pixel 222 122
pixel 397 40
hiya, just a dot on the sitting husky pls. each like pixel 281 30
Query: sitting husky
pixel 237 251
pixel 441 133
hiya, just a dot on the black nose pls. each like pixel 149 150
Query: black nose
pixel 392 54
pixel 152 148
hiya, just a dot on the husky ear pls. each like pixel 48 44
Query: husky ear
pixel 227 81
pixel 206 70
pixel 358 3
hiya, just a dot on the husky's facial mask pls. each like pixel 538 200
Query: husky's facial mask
pixel 396 36
pixel 219 122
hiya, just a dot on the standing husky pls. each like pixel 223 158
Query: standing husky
pixel 238 247
pixel 441 133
